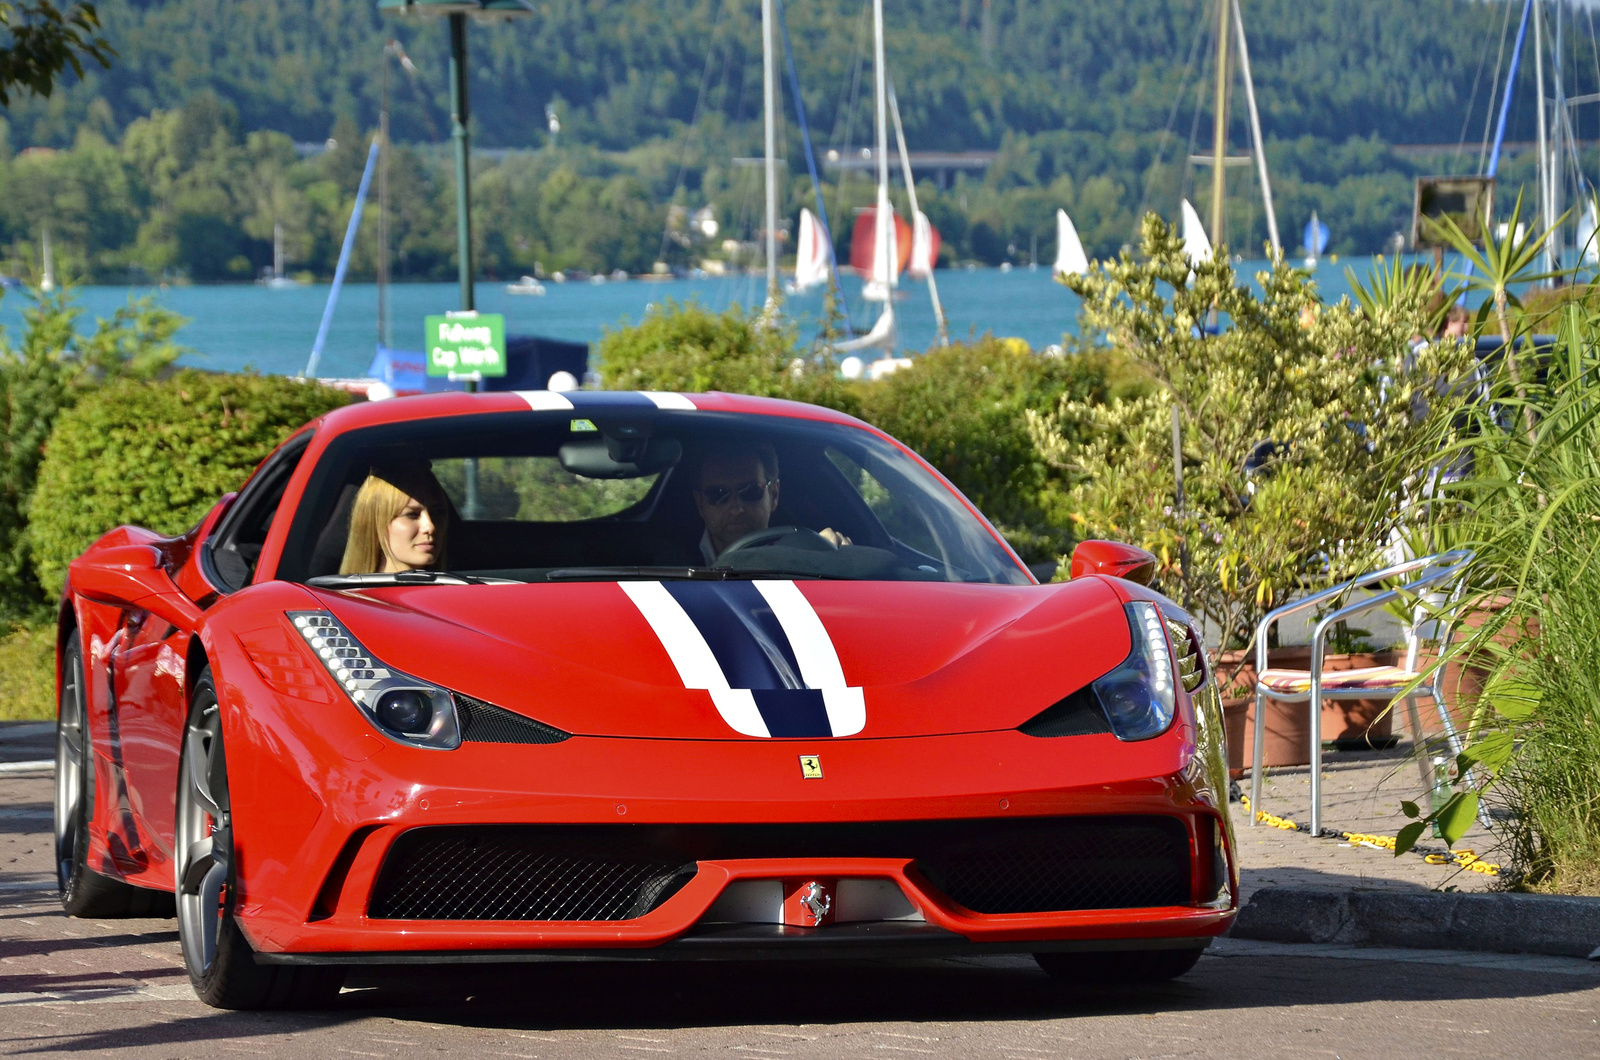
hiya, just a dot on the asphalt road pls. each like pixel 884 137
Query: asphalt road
pixel 70 987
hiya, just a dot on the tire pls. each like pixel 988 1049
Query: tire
pixel 85 892
pixel 1117 966
pixel 222 967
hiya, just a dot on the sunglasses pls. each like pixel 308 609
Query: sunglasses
pixel 749 493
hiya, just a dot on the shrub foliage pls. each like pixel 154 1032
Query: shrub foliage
pixel 158 455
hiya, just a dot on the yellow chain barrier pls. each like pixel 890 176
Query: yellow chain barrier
pixel 1464 859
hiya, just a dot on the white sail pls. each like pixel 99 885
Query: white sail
pixel 920 266
pixel 885 274
pixel 811 260
pixel 47 282
pixel 883 336
pixel 1588 225
pixel 1070 258
pixel 1195 243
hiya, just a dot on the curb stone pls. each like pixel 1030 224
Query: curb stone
pixel 1554 925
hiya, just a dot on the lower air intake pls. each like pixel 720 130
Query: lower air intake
pixel 522 873
pixel 618 872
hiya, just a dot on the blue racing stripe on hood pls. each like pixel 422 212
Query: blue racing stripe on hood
pixel 588 399
pixel 750 645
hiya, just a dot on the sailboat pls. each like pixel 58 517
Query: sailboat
pixel 925 244
pixel 47 283
pixel 1070 258
pixel 811 256
pixel 1196 247
pixel 1588 225
pixel 277 281
pixel 1316 240
pixel 877 252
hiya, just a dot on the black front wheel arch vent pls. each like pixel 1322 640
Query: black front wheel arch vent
pixel 1078 714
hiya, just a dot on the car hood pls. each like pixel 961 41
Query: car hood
pixel 734 660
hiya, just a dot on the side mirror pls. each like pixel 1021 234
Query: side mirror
pixel 1115 559
pixel 132 575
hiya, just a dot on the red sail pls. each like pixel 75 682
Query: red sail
pixel 863 233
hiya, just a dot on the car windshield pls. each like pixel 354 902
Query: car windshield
pixel 599 495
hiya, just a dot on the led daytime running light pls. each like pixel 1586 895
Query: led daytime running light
pixel 366 680
pixel 1140 696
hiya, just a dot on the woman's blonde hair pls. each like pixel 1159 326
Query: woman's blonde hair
pixel 382 497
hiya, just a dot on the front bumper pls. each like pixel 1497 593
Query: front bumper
pixel 308 894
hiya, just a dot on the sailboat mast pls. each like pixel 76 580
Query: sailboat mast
pixel 1219 128
pixel 884 221
pixel 1255 132
pixel 1545 200
pixel 769 93
pixel 911 193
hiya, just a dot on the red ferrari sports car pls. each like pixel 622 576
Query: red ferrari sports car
pixel 504 676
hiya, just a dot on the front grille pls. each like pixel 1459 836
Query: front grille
pixel 522 874
pixel 1118 863
pixel 618 872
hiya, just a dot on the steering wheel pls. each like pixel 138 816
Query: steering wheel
pixel 790 536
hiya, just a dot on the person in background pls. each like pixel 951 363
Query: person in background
pixel 399 522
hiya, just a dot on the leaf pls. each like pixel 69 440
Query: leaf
pixel 1457 815
pixel 1512 698
pixel 1408 837
pixel 1410 809
pixel 1492 752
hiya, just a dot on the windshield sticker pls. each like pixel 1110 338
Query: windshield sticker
pixel 583 426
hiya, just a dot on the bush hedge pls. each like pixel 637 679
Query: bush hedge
pixel 157 455
pixel 961 407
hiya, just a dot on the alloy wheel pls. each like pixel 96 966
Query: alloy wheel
pixel 204 838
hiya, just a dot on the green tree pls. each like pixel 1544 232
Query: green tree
pixel 1298 420
pixel 44 41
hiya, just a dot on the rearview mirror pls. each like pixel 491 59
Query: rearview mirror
pixel 132 575
pixel 1114 559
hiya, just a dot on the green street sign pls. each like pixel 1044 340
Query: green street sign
pixel 466 344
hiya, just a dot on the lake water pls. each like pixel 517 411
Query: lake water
pixel 233 327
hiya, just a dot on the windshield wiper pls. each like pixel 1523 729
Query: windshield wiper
pixel 705 574
pixel 404 577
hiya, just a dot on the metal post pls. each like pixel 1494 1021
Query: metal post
pixel 1255 133
pixel 1219 127
pixel 459 115
pixel 458 133
pixel 769 103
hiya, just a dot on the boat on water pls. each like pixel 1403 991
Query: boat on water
pixel 528 285
pixel 1316 240
pixel 1196 245
pixel 1070 258
pixel 811 260
pixel 276 280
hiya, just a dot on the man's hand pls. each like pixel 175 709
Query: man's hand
pixel 833 537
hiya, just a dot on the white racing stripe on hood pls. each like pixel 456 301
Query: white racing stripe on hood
pixel 544 400
pixel 818 659
pixel 692 657
pixel 665 400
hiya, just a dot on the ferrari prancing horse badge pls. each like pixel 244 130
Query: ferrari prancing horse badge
pixel 811 767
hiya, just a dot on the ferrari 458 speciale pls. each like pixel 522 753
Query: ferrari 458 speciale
pixel 488 677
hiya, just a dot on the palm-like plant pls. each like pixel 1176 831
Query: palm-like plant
pixel 1495 270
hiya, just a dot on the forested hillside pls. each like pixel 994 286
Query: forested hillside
pixel 626 70
pixel 180 159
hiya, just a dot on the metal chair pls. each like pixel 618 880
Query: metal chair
pixel 1441 571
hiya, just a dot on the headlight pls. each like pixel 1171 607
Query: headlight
pixel 403 708
pixel 1140 695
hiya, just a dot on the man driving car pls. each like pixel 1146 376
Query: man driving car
pixel 736 492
